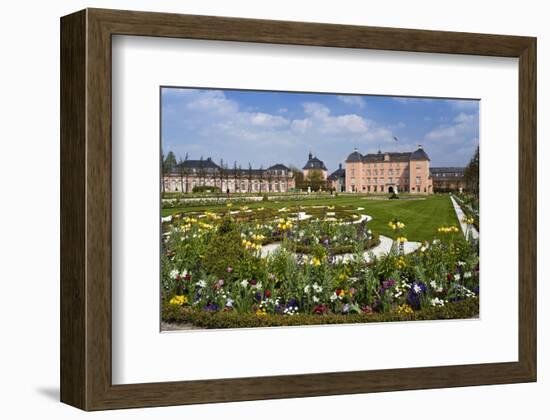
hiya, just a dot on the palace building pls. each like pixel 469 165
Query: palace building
pixel 388 172
pixel 337 179
pixel 314 165
pixel 205 172
pixel 446 179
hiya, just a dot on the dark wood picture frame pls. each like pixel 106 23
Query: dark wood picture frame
pixel 86 208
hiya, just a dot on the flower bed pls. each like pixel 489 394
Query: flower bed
pixel 213 264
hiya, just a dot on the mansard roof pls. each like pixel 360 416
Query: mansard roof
pixel 447 172
pixel 355 157
pixel 315 163
pixel 394 157
pixel 419 154
pixel 338 173
pixel 279 167
pixel 207 163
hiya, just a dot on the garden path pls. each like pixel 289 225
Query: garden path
pixel 382 248
pixel 464 226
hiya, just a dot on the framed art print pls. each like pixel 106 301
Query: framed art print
pixel 288 206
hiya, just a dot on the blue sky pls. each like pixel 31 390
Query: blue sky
pixel 265 128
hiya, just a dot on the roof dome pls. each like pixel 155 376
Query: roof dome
pixel 419 154
pixel 355 157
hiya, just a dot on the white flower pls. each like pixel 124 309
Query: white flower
pixel 467 274
pixel 333 297
pixel 229 303
pixel 457 277
pixel 244 283
pixel 315 299
pixel 317 288
pixel 201 283
pixel 307 289
pixel 174 274
pixel 461 263
pixel 417 288
pixel 433 284
pixel 437 302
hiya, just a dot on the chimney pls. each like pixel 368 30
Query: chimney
pixel 420 146
pixel 340 166
pixel 310 155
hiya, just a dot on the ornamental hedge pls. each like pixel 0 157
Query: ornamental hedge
pixel 464 309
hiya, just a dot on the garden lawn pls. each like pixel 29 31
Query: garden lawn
pixel 422 216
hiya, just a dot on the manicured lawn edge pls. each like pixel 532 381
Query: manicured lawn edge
pixel 468 308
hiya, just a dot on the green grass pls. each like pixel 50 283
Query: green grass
pixel 421 216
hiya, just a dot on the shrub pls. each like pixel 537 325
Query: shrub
pixel 206 189
pixel 224 249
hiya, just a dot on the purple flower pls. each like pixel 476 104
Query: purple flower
pixel 211 307
pixel 413 298
pixel 253 282
pixel 345 308
pixel 229 269
pixel 258 296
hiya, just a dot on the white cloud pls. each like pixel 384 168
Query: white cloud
pixel 268 120
pixel 352 100
pixel 464 118
pixel 463 104
pixel 320 120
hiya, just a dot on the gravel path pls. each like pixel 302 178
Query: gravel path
pixel 382 248
pixel 464 226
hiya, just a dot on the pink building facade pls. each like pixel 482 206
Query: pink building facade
pixel 387 172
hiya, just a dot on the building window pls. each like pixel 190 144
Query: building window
pixel 417 180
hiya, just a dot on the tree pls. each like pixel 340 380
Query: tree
pixel 221 170
pixel 261 177
pixel 170 161
pixel 298 177
pixel 249 176
pixel 471 174
pixel 315 179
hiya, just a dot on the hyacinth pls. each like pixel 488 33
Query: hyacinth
pixel 401 239
pixel 179 300
pixel 468 220
pixel 448 229
pixel 211 307
pixel 261 312
pixel 320 309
